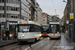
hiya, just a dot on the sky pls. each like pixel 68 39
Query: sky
pixel 53 7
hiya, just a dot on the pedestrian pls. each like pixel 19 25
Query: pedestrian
pixel 3 34
pixel 67 33
pixel 7 32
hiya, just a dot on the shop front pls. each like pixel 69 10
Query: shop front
pixel 2 27
pixel 12 29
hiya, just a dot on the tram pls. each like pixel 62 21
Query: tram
pixel 28 31
pixel 54 30
pixel 45 30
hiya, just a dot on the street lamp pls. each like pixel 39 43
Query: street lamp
pixel 67 22
pixel 64 1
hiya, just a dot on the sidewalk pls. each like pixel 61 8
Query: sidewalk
pixel 66 44
pixel 6 42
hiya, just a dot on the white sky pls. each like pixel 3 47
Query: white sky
pixel 49 6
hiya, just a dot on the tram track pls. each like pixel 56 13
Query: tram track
pixel 50 45
pixel 13 47
pixel 44 45
pixel 54 44
pixel 16 46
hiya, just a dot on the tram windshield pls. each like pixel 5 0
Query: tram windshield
pixel 54 28
pixel 45 29
pixel 24 28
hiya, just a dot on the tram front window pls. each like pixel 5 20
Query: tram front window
pixel 24 28
pixel 54 28
pixel 45 29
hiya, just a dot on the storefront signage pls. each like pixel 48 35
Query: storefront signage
pixel 2 20
pixel 2 25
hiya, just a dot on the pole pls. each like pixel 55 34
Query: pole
pixel 20 9
pixel 74 21
pixel 5 14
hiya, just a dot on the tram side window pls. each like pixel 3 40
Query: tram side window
pixel 37 29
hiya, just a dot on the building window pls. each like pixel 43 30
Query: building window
pixel 1 1
pixel 24 6
pixel 26 1
pixel 13 1
pixel 2 15
pixel 1 7
pixel 43 20
pixel 13 16
pixel 13 8
pixel 43 17
pixel 24 12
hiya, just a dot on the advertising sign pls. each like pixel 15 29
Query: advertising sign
pixel 71 15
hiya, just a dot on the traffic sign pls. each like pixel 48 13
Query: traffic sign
pixel 71 15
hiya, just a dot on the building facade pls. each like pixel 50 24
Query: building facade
pixel 61 21
pixel 65 16
pixel 25 12
pixel 49 18
pixel 38 14
pixel 55 19
pixel 71 25
pixel 12 11
pixel 32 9
pixel 44 18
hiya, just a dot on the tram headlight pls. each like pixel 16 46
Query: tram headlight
pixel 40 35
pixel 23 35
pixel 10 35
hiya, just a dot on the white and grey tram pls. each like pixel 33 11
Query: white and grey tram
pixel 54 30
pixel 29 31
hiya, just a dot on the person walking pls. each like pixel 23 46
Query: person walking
pixel 7 32
pixel 67 33
pixel 3 34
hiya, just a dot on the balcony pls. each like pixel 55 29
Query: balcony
pixel 32 4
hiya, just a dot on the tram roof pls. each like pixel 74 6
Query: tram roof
pixel 29 22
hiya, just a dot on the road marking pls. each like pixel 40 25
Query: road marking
pixel 48 38
pixel 35 44
pixel 41 38
pixel 27 48
pixel 38 42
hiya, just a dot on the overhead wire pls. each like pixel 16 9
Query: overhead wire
pixel 54 7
